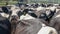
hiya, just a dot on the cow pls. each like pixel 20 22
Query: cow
pixel 5 25
pixel 49 29
pixel 55 21
pixel 22 21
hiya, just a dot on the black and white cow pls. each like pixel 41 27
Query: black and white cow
pixel 5 25
pixel 55 21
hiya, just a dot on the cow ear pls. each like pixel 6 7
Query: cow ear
pixel 19 13
pixel 4 9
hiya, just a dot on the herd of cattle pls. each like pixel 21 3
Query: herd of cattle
pixel 30 19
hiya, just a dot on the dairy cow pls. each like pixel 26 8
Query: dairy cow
pixel 55 21
pixel 5 25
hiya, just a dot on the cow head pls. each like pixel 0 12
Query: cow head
pixel 14 17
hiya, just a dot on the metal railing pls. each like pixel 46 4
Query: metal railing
pixel 30 1
pixel 44 1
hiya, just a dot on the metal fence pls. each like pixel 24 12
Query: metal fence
pixel 44 1
pixel 29 1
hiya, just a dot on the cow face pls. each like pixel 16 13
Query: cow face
pixel 15 14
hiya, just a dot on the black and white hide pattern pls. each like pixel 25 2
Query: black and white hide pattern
pixel 5 25
pixel 14 17
pixel 27 12
pixel 39 10
pixel 5 12
pixel 55 21
pixel 35 5
pixel 50 14
pixel 45 13
pixel 41 13
pixel 15 12
pixel 50 11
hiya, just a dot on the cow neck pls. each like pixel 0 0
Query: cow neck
pixel 13 27
pixel 23 23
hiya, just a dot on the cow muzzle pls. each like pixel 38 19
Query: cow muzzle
pixel 14 18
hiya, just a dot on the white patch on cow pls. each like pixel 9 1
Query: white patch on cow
pixel 56 4
pixel 5 15
pixel 57 16
pixel 47 7
pixel 57 10
pixel 52 8
pixel 15 9
pixel 26 17
pixel 47 12
pixel 40 8
pixel 43 25
pixel 47 30
pixel 29 11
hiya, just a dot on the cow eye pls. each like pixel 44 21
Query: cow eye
pixel 19 13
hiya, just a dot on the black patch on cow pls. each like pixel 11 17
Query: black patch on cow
pixel 48 5
pixel 33 15
pixel 51 14
pixel 43 16
pixel 19 13
pixel 26 10
pixel 5 10
pixel 43 5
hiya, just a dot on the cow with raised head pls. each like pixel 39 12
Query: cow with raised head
pixel 55 21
